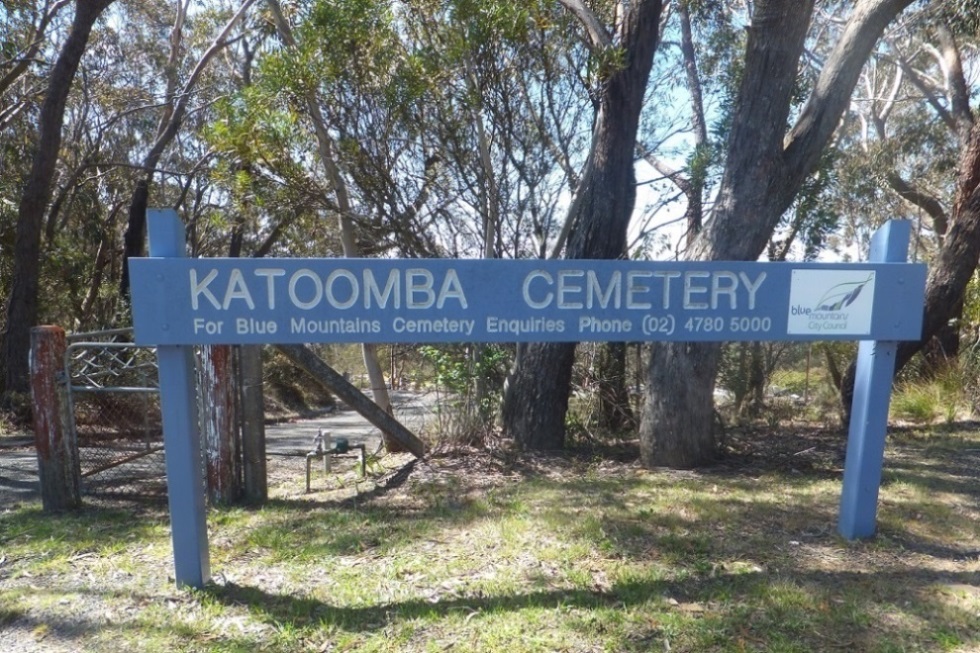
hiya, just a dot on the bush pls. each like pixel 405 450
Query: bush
pixel 919 403
pixel 471 392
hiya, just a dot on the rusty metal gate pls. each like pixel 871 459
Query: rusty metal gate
pixel 114 399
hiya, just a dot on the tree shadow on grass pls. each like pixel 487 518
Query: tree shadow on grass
pixel 934 469
pixel 724 598
pixel 707 549
pixel 702 557
pixel 82 529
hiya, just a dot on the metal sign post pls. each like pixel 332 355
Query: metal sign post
pixel 181 430
pixel 180 302
pixel 869 409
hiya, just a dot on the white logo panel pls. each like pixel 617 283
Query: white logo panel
pixel 831 302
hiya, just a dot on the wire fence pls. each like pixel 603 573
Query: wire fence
pixel 115 401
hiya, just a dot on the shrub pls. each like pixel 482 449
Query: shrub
pixel 919 403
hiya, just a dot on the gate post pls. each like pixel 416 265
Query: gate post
pixel 253 425
pixel 57 453
pixel 220 435
pixel 181 430
pixel 869 413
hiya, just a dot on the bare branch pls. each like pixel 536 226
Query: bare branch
pixel 917 197
pixel 599 38
pixel 959 91
pixel 693 79
pixel 928 93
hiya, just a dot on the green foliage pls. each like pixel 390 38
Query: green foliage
pixel 455 370
pixel 962 16
pixel 971 304
pixel 473 385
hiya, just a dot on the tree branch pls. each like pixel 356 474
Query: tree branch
pixel 599 38
pixel 959 92
pixel 917 197
pixel 33 49
pixel 930 96
pixel 834 86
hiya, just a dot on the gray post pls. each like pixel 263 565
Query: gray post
pixel 869 412
pixel 181 432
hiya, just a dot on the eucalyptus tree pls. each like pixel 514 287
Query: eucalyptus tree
pixel 23 33
pixel 623 46
pixel 770 151
pixel 77 243
pixel 436 129
pixel 22 301
pixel 768 157
pixel 177 95
pixel 921 141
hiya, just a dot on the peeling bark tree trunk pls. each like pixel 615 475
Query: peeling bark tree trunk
pixel 22 303
pixel 255 481
pixel 536 398
pixel 219 431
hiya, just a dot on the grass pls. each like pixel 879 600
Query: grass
pixel 526 554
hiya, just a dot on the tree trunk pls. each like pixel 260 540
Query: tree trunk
pixel 944 348
pixel 252 397
pixel 536 399
pixel 135 235
pixel 764 170
pixel 677 415
pixel 684 438
pixel 22 304
pixel 220 436
pixel 756 380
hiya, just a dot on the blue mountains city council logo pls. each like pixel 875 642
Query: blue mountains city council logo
pixel 831 302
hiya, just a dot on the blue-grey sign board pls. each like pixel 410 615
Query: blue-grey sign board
pixel 251 301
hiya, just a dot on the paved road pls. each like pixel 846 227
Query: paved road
pixel 412 409
pixel 18 461
pixel 18 472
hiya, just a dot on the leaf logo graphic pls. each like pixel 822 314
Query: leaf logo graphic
pixel 842 295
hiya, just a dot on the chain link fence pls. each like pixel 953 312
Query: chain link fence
pixel 114 397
